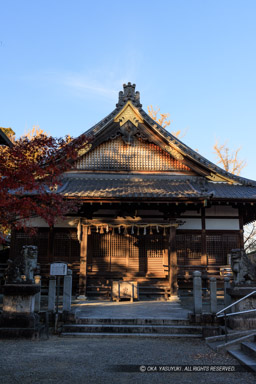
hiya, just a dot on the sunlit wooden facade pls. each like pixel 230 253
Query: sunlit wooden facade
pixel 152 209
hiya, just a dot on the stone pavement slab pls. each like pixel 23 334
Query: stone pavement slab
pixel 126 309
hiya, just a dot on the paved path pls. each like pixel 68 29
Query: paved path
pixel 128 310
pixel 91 361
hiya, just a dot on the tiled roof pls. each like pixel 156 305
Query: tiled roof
pixel 150 186
pixel 231 191
pixel 127 186
pixel 129 94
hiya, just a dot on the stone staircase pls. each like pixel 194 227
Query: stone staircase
pixel 131 327
pixel 245 353
pixel 240 344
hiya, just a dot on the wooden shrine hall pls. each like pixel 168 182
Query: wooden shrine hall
pixel 152 209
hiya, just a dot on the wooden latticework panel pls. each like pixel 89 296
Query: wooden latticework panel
pixel 126 254
pixel 66 247
pixel 115 154
pixel 19 239
pixel 189 249
pixel 219 245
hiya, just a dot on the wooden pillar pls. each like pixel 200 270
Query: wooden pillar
pixel 83 263
pixel 241 229
pixel 173 267
pixel 50 244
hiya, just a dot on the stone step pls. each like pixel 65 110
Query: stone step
pixel 149 329
pixel 243 358
pixel 131 321
pixel 249 348
pixel 218 343
pixel 149 335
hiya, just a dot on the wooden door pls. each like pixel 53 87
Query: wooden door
pixel 127 254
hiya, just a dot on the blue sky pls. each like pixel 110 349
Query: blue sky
pixel 62 64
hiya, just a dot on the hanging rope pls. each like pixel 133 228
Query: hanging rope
pixel 100 228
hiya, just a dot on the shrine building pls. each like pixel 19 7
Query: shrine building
pixel 152 209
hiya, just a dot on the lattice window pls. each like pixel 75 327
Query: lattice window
pixel 40 240
pixel 115 154
pixel 102 245
pixel 154 245
pixel 218 246
pixel 189 248
pixel 126 253
pixel 66 247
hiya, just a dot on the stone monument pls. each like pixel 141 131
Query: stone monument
pixel 18 318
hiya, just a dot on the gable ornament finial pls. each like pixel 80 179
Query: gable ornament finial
pixel 129 94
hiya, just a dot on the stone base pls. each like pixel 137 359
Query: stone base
pixel 246 320
pixel 20 325
pixel 19 298
pixel 204 319
pixel 19 320
pixel 242 322
pixel 21 333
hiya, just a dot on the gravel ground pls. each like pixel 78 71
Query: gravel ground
pixel 72 360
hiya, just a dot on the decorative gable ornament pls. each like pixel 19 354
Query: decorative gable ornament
pixel 177 155
pixel 128 119
pixel 84 150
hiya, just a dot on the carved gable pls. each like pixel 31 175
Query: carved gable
pixel 117 155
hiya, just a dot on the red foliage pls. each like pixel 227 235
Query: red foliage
pixel 29 174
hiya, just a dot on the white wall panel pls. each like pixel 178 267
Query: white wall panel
pixel 222 224
pixel 39 222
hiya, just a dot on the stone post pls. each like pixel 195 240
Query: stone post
pixel 52 294
pixel 38 295
pixel 227 298
pixel 132 293
pixel 213 294
pixel 197 292
pixel 67 291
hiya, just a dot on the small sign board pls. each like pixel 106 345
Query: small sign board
pixel 58 269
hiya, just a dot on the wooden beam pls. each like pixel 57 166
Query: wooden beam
pixel 83 262
pixel 241 227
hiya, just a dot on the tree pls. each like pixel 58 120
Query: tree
pixel 229 160
pixel 231 163
pixel 162 120
pixel 9 133
pixel 30 171
pixel 250 237
pixel 35 131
